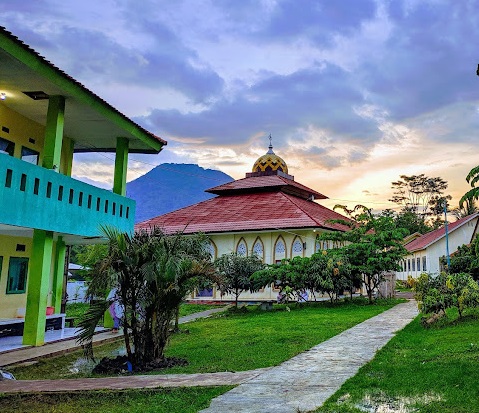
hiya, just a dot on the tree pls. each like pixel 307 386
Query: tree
pixel 435 294
pixel 468 207
pixel 235 271
pixel 327 272
pixel 466 259
pixel 88 255
pixel 473 194
pixel 152 273
pixel 420 197
pixel 373 245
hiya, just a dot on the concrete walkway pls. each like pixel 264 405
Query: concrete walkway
pixel 304 382
pixel 56 348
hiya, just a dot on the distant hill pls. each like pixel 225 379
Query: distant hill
pixel 171 186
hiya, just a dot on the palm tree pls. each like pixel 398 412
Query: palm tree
pixel 152 273
pixel 473 194
pixel 469 207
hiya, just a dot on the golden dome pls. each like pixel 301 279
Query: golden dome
pixel 270 162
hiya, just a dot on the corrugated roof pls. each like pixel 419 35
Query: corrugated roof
pixel 247 212
pixel 17 41
pixel 434 236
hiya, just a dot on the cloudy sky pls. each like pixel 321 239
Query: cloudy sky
pixel 354 92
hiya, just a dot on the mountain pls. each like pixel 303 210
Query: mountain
pixel 171 186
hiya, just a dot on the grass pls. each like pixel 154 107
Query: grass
pixel 76 310
pixel 232 341
pixel 181 400
pixel 187 309
pixel 427 370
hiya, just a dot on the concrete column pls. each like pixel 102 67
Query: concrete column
pixel 59 269
pixel 37 292
pixel 54 132
pixel 121 165
pixel 68 156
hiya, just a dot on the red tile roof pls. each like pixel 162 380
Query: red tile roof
pixel 433 236
pixel 247 212
pixel 262 183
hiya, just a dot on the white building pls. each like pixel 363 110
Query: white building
pixel 267 213
pixel 425 251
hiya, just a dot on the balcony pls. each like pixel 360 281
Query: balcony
pixel 35 197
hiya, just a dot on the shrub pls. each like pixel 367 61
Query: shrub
pixel 435 294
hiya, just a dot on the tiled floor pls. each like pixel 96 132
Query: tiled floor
pixel 15 342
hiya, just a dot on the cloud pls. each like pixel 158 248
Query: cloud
pixel 321 97
pixel 431 58
pixel 159 59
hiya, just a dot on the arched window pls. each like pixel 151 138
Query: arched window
pixel 242 248
pixel 297 248
pixel 258 249
pixel 279 250
pixel 213 250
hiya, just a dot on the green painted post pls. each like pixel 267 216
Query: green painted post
pixel 59 269
pixel 54 132
pixel 38 284
pixel 70 144
pixel 121 165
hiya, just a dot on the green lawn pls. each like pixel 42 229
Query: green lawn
pixel 78 309
pixel 187 309
pixel 431 370
pixel 232 341
pixel 181 400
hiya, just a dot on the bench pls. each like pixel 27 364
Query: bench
pixel 14 326
pixel 70 321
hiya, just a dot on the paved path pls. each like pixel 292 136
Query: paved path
pixel 128 382
pixel 65 346
pixel 304 382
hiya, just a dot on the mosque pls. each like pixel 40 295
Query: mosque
pixel 267 213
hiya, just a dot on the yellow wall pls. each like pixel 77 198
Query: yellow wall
pixel 21 130
pixel 9 303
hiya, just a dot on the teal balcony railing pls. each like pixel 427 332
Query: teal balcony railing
pixel 35 197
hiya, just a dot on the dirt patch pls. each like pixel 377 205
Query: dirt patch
pixel 121 365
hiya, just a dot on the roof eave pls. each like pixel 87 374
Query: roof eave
pixel 30 58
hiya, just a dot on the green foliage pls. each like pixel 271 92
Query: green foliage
pixel 327 272
pixel 152 273
pixel 179 400
pixel 372 246
pixel 466 259
pixel 436 294
pixel 473 194
pixel 235 271
pixel 420 195
pixel 87 256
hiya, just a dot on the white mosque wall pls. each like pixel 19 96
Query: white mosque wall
pixel 295 242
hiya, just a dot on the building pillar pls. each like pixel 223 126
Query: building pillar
pixel 54 133
pixel 121 165
pixel 58 274
pixel 38 284
pixel 68 146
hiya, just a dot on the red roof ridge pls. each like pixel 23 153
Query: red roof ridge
pixel 431 237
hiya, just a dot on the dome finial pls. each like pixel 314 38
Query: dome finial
pixel 270 150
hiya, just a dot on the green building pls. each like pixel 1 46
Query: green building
pixel 45 117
